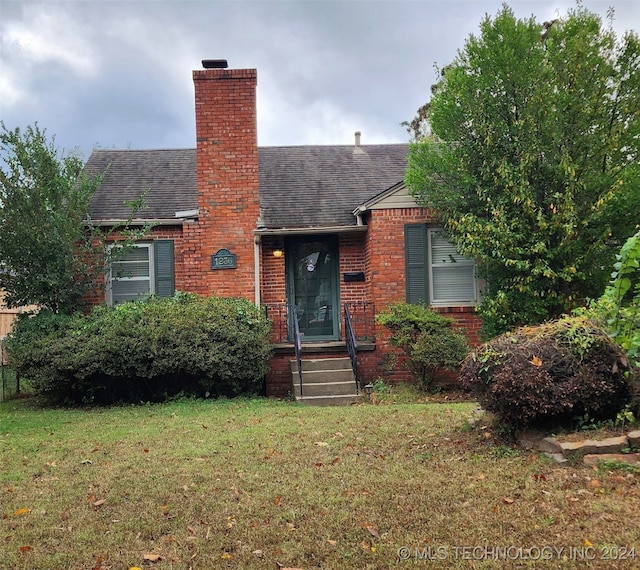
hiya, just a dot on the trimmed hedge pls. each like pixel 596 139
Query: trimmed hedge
pixel 549 374
pixel 145 350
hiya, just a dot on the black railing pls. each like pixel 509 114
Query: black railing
pixel 352 344
pixel 362 319
pixel 297 343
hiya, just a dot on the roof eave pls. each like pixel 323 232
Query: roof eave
pixel 310 230
pixel 142 222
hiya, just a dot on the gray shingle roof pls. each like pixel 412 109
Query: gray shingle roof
pixel 169 175
pixel 315 186
pixel 300 186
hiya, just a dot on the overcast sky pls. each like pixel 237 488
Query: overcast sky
pixel 117 74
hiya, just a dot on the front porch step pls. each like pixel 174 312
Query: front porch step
pixel 325 382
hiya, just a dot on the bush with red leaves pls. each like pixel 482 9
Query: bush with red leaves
pixel 549 374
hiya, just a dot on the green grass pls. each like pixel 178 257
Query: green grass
pixel 259 483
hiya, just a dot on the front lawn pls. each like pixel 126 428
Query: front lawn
pixel 264 484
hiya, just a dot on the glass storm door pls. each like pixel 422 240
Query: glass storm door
pixel 312 285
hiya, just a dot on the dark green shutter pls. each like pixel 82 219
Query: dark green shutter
pixel 165 281
pixel 416 259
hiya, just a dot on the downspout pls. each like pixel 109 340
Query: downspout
pixel 257 252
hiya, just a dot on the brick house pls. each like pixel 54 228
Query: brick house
pixel 319 232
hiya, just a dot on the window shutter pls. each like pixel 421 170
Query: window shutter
pixel 415 248
pixel 164 265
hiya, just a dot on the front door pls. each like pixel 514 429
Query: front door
pixel 312 285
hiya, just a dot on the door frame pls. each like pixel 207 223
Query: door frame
pixel 290 245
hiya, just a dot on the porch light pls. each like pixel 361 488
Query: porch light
pixel 278 253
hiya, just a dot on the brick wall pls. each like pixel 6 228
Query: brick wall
pixel 227 164
pixel 385 280
pixel 352 258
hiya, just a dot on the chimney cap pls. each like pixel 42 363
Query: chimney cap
pixel 215 63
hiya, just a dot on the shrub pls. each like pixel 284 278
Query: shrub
pixel 549 374
pixel 427 338
pixel 146 350
pixel 618 310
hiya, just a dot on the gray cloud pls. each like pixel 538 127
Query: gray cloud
pixel 118 74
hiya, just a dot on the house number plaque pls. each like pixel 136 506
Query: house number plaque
pixel 223 259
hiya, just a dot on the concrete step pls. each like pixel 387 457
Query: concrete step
pixel 324 376
pixel 325 382
pixel 329 400
pixel 309 364
pixel 325 388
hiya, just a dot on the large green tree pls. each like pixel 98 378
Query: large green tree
pixel 51 255
pixel 529 150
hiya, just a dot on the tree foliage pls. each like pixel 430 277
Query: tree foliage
pixel 50 252
pixel 533 159
pixel 618 310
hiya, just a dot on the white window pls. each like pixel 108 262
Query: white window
pixel 436 274
pixel 132 276
pixel 451 276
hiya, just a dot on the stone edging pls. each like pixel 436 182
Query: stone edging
pixel 591 451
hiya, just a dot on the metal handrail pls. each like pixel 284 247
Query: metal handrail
pixel 352 345
pixel 297 343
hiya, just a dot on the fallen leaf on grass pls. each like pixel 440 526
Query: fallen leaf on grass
pixel 588 543
pixel 21 512
pixel 25 548
pixel 536 361
pixel 372 530
pixel 508 500
pixel 258 553
pixel 332 542
pixel 152 557
pixel 321 443
pixel 226 556
pixel 277 500
pixel 99 503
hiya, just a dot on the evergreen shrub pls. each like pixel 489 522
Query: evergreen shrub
pixel 427 338
pixel 146 350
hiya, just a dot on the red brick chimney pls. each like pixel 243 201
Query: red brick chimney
pixel 227 163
